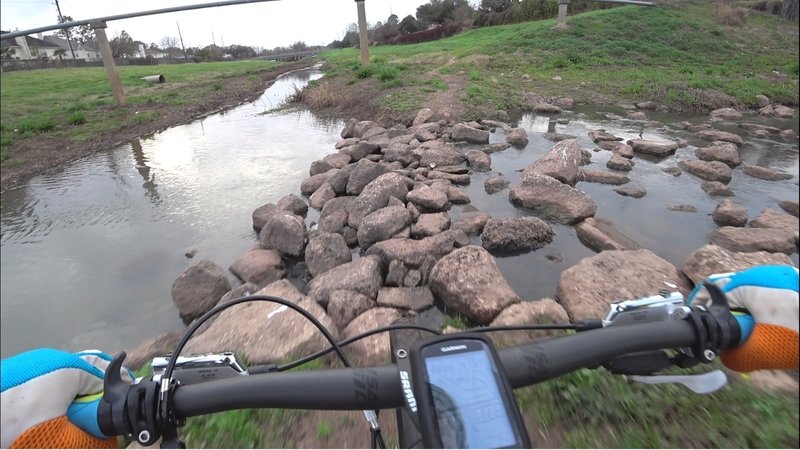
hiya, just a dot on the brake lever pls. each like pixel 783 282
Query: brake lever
pixel 705 383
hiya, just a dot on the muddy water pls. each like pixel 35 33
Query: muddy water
pixel 89 253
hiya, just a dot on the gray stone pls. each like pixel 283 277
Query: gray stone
pixel 454 178
pixel 546 108
pixel 790 206
pixel 717 135
pixel 494 148
pixel 494 185
pixel 552 199
pixel 326 251
pixel 496 124
pixel 777 111
pixel 779 220
pixel 469 282
pixel 428 198
pixel 400 153
pixel 396 273
pixel 655 148
pixel 339 180
pixel 260 267
pixel 382 225
pixel 601 176
pixel 598 136
pixel 720 151
pixel 285 233
pixel 586 289
pixel 517 137
pixel 762 101
pixel 364 172
pixel 518 234
pixel 561 162
pixel 413 278
pixel 673 170
pixel 728 213
pixel 617 162
pixel 557 137
pixel 711 259
pixel 413 298
pixel 682 208
pixel 601 234
pixel 634 192
pixel 424 115
pixel 413 253
pixel 708 170
pixel 753 240
pixel 198 289
pixel 646 105
pixel 362 275
pixel 440 155
pixel 344 306
pixel 463 132
pixel 334 214
pixel 360 151
pixel 430 224
pixel 311 184
pixel 347 131
pixel 756 127
pixel 376 195
pixel 262 214
pixel 362 127
pixel 727 114
pixel 479 161
pixel 152 347
pixel 764 173
pixel 471 223
pixel 293 204
pixel 716 189
pixel 321 196
pixel 373 350
pixel 637 115
pixel 337 160
pixel 544 311
pixel 318 167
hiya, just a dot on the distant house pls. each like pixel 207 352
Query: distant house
pixel 26 47
pixel 88 51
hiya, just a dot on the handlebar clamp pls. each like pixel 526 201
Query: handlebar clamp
pixel 716 328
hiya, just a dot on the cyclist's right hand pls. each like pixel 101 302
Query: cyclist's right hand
pixel 765 302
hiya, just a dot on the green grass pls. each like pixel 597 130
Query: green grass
pixel 324 430
pixel 65 102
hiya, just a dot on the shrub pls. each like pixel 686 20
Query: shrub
pixel 77 118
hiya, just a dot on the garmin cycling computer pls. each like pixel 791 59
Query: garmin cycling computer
pixel 463 397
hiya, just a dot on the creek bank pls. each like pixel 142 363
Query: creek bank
pixel 389 197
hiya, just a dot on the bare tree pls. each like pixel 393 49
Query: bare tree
pixel 168 42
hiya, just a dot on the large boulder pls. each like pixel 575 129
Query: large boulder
pixel 382 225
pixel 464 132
pixel 711 259
pixel 634 192
pixel 262 214
pixel 424 115
pixel 412 298
pixel 552 200
pixel 729 213
pixel 400 153
pixel 561 162
pixel 362 127
pixel 517 137
pixel 727 114
pixel 376 195
pixel 716 189
pixel 753 240
pixel 362 275
pixel 440 155
pixel 285 233
pixel 471 223
pixel 764 173
pixel 479 161
pixel 790 206
pixel 720 151
pixel 494 185
pixel 414 253
pixel 717 135
pixel 375 349
pixel 618 162
pixel 516 234
pixel 347 131
pixel 428 198
pixel 469 282
pixel 293 204
pixel 602 176
pixel 777 111
pixel 544 311
pixel 546 108
pixel 772 218
pixel 334 215
pixel 430 224
pixel 337 160
pixel 655 148
pixel 321 196
pixel 266 332
pixel 260 267
pixel 344 306
pixel 708 170
pixel 600 136
pixel 312 183
pixel 326 251
pixel 360 151
pixel 757 128
pixel 364 172
pixel 586 289
pixel 198 289
pixel 601 234
pixel 152 347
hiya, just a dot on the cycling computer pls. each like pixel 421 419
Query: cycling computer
pixel 463 397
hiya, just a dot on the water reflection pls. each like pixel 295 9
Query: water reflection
pixel 149 184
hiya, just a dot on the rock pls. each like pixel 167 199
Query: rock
pixel 586 158
pixel 382 225
pixel 321 196
pixel 544 311
pixel 441 156
pixel 479 161
pixel 496 124
pixel 376 195
pixel 339 180
pixel 360 151
pixel 364 172
pixel 260 267
pixel 457 179
pixel 469 282
pixel 318 167
pixel 152 347
pixel 373 350
pixel 777 111
pixel 337 160
pixel 362 275
pixel 347 131
pixel 424 115
pixel 631 192
pixel 198 289
pixel 458 170
pixel 191 253
pixel 362 127
pixel 561 162
pixel 601 176
pixel 586 289
pixel 772 218
pixel 674 171
pixel 400 153
pixel 720 151
pixel 396 273
pixel 333 217
pixel 413 278
pixel 617 162
pixel 285 233
pixel 455 196
pixel 326 251
pixel 711 259
pixel 413 253
pixel 413 298
pixel 707 170
pixel 756 127
pixel 344 306
pixel 682 143
pixel 494 148
pixel 637 115
pixel 646 105
pixel 790 206
pixel 430 224
pixel 517 137
pixel 262 214
pixel 788 134
pixel 518 234
pixel 717 135
pixel 728 213
pixel 764 173
pixel 655 148
pixel 557 137
pixel 494 185
pixel 716 189
pixel 598 136
pixel 293 204
pixel 311 184
pixel 726 113
pixel 471 223
pixel 698 127
pixel 762 101
pixel 601 234
pixel 346 143
pixel 428 198
pixel 565 102
pixel 265 332
pixel 624 150
pixel 753 240
pixel 463 132
pixel 552 199
pixel 682 208
pixel 546 108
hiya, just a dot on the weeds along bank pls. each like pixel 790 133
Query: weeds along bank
pixel 684 55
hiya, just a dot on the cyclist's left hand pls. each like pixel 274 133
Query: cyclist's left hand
pixel 50 397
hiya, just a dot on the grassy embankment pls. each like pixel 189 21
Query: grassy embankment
pixel 680 55
pixel 72 106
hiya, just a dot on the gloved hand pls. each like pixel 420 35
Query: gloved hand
pixel 50 397
pixel 764 300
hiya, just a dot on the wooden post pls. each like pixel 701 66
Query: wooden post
pixel 562 14
pixel 108 61
pixel 363 40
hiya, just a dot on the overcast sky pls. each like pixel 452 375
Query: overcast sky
pixel 267 24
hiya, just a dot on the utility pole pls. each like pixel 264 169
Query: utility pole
pixel 185 56
pixel 108 61
pixel 363 40
pixel 66 30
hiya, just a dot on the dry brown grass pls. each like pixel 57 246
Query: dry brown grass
pixel 727 13
pixel 317 96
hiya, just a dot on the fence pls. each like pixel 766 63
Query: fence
pixel 11 65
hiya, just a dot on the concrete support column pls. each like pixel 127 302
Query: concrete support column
pixel 363 40
pixel 108 61
pixel 562 14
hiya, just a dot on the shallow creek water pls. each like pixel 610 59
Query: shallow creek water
pixel 89 252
